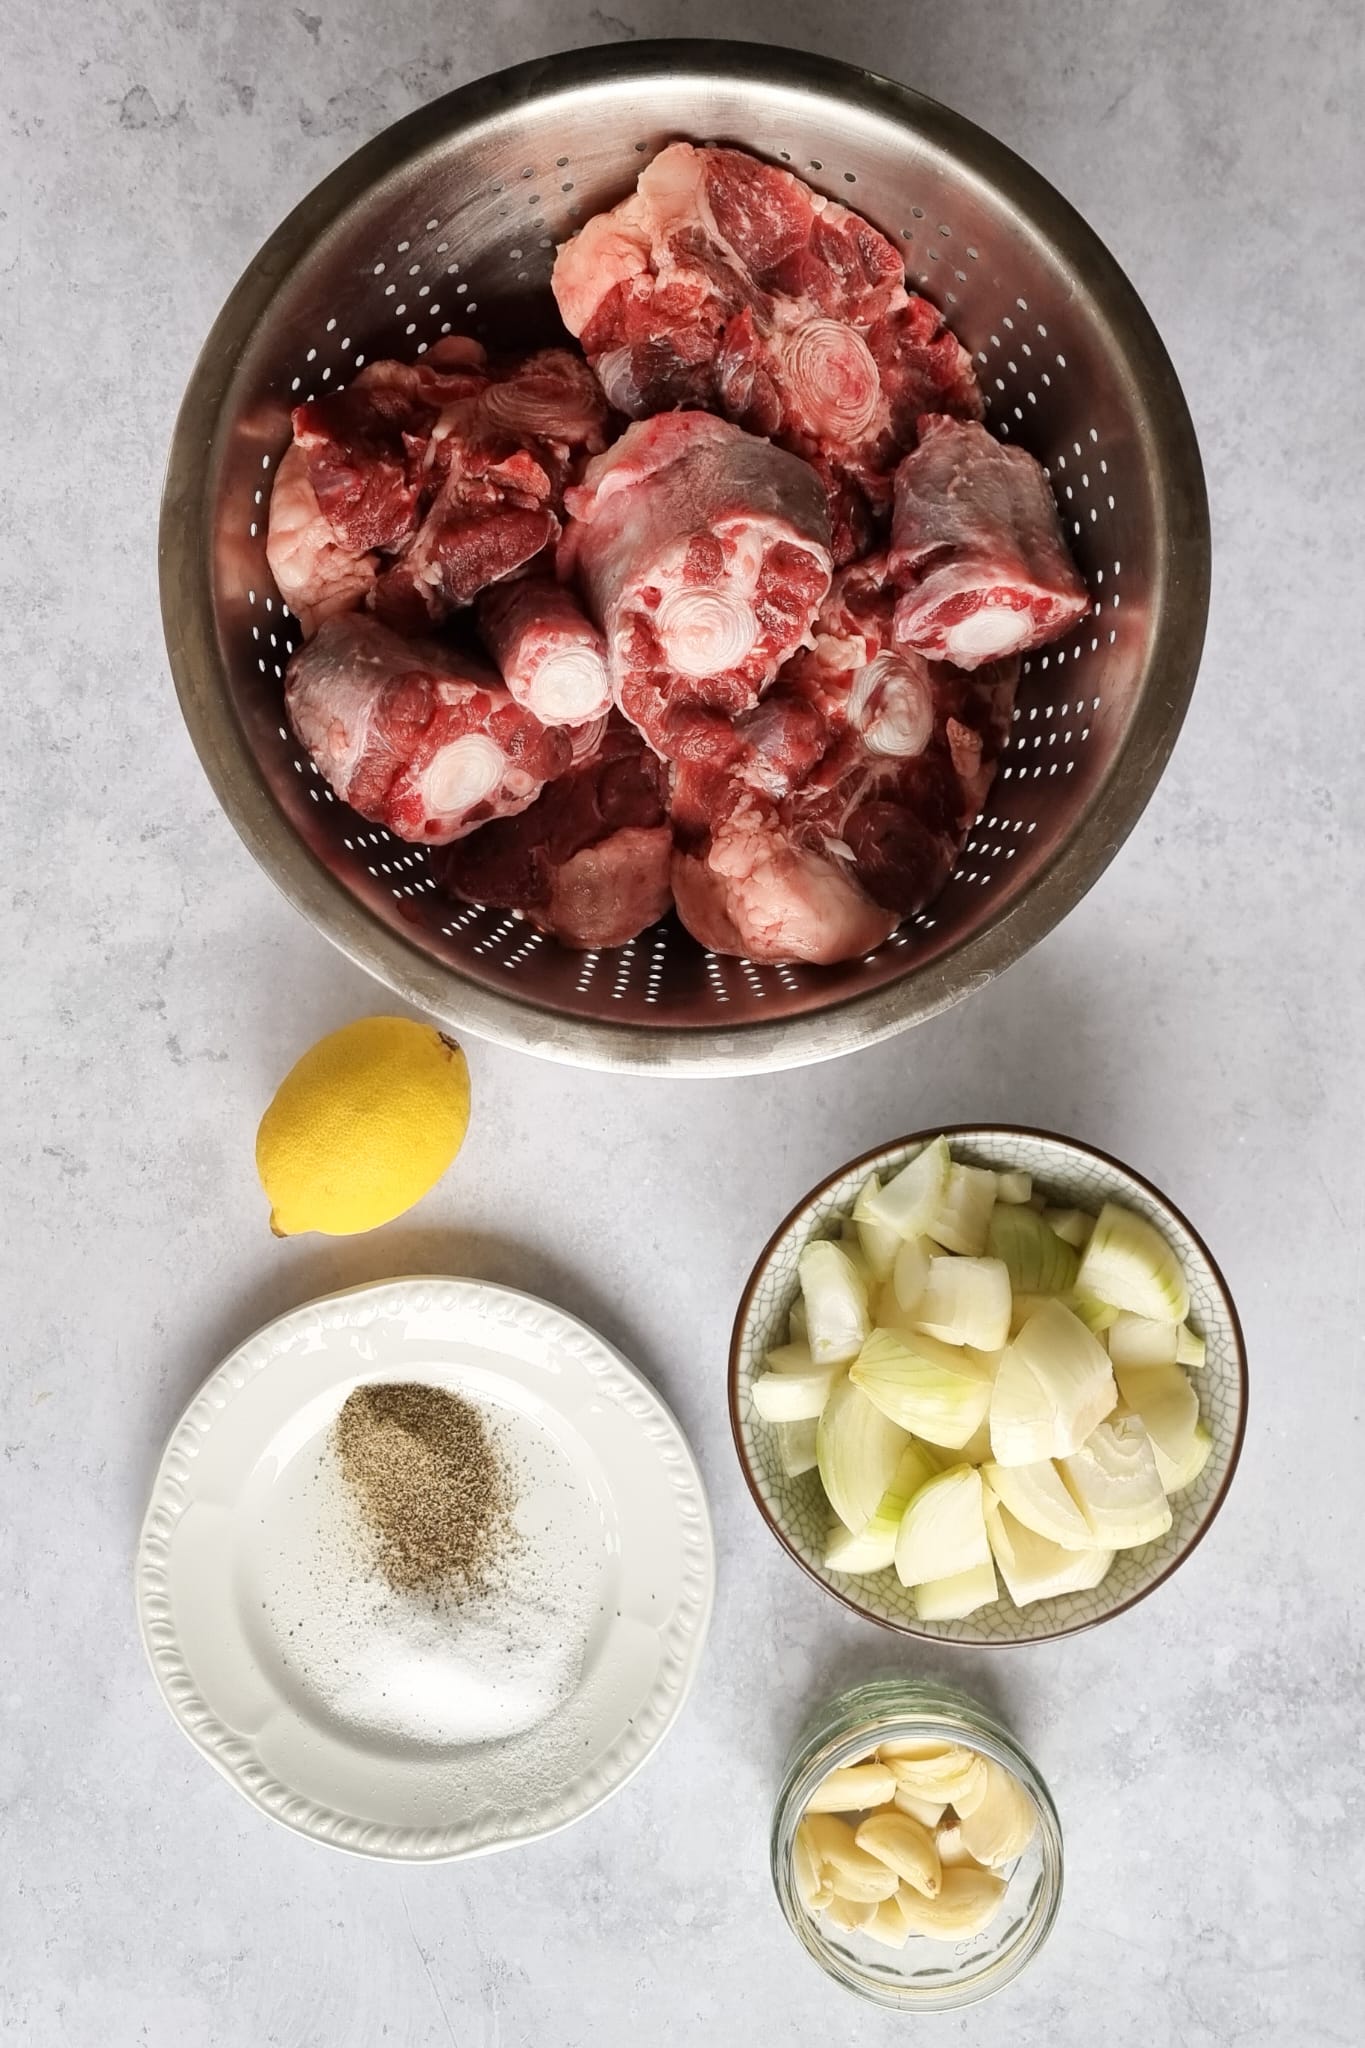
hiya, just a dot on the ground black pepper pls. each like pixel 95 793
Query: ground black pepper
pixel 430 1484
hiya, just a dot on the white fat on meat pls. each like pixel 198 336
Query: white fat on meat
pixel 754 892
pixel 891 704
pixel 552 657
pixel 314 574
pixel 977 551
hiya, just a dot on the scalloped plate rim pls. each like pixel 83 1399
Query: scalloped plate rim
pixel 404 1844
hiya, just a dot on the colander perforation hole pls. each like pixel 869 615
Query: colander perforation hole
pixel 716 978
pixel 524 951
pixel 498 937
pixel 625 963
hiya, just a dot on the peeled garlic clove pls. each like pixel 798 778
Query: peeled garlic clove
pixel 851 1913
pixel 1002 1822
pixel 913 1749
pixel 852 1872
pixel 956 1775
pixel 928 1812
pixel 948 1842
pixel 853 1789
pixel 814 1888
pixel 888 1923
pixel 968 1900
pixel 905 1846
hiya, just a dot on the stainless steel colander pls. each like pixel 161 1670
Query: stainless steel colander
pixel 447 223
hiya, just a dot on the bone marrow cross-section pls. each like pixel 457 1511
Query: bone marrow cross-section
pixel 416 737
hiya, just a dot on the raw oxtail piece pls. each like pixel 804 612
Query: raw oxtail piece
pixel 552 657
pixel 703 554
pixel 726 283
pixel 419 738
pixel 976 549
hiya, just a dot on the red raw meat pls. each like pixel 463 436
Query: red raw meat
pixel 977 549
pixel 879 697
pixel 455 465
pixel 589 861
pixel 498 459
pixel 745 884
pixel 366 445
pixel 552 657
pixel 903 818
pixel 314 573
pixel 703 553
pixel 725 283
pixel 417 737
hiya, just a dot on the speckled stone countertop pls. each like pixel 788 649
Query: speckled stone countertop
pixel 1201 1014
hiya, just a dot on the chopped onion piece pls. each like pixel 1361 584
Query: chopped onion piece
pixel 790 1358
pixel 908 1201
pixel 794 1396
pixel 1034 1568
pixel 1013 1187
pixel 879 1241
pixel 1024 1306
pixel 1129 1263
pixel 1098 1316
pixel 943 1531
pixel 1164 1402
pixel 1037 1260
pixel 962 1218
pixel 966 1301
pixel 835 1295
pixel 1073 1226
pixel 1116 1485
pixel 1190 1348
pixel 910 1275
pixel 797 1331
pixel 857 1449
pixel 932 1389
pixel 1174 1475
pixel 1054 1384
pixel 1037 1496
pixel 796 1446
pixel 954 1598
pixel 872 1549
pixel 1137 1340
pixel 977 1448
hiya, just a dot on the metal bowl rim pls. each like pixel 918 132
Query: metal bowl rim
pixel 185 550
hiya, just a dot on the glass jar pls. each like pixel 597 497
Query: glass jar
pixel 926 1975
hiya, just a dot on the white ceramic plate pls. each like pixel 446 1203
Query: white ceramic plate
pixel 1072 1175
pixel 356 1715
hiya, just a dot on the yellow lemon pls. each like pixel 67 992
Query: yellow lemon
pixel 362 1127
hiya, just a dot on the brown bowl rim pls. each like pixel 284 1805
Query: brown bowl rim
pixel 969 1132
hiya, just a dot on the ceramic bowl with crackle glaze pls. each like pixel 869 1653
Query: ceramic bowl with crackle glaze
pixel 1071 1175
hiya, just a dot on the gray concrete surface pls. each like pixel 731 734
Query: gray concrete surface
pixel 1201 1015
